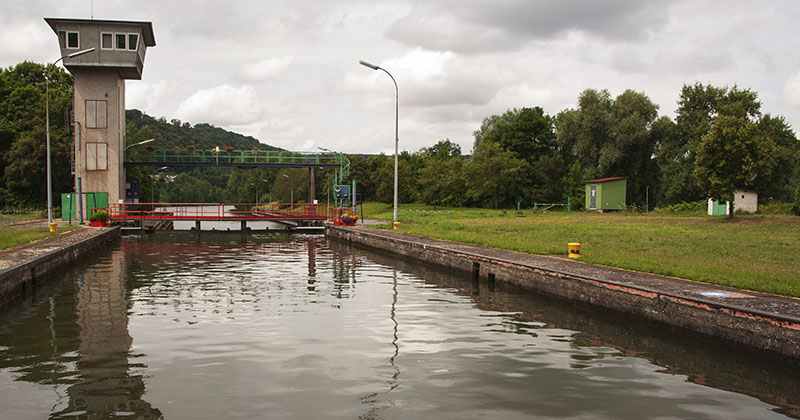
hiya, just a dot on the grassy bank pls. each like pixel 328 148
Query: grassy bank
pixel 13 236
pixel 748 252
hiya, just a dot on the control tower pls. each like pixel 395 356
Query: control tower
pixel 117 51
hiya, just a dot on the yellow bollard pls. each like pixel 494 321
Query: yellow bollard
pixel 53 227
pixel 574 249
pixel 395 224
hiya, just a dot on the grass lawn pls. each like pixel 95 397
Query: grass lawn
pixel 13 236
pixel 756 252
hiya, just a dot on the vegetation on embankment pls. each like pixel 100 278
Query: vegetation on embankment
pixel 11 236
pixel 758 252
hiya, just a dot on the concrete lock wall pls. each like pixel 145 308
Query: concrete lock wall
pixel 23 278
pixel 756 330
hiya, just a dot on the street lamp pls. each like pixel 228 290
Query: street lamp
pixel 141 142
pixel 291 191
pixel 396 122
pixel 153 184
pixel 47 129
pixel 270 193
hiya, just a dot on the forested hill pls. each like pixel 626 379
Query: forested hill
pixel 167 135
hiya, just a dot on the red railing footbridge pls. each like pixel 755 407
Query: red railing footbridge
pixel 297 212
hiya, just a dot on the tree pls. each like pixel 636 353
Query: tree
pixel 611 137
pixel 778 183
pixel 22 133
pixel 732 155
pixel 495 176
pixel 526 132
pixel 442 150
pixel 698 105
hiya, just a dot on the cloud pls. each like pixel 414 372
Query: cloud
pixel 223 105
pixel 791 90
pixel 265 69
pixel 142 95
pixel 476 26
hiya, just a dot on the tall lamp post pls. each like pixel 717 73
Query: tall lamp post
pixel 291 191
pixel 396 122
pixel 153 185
pixel 47 130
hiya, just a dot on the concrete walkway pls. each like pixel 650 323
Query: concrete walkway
pixel 727 312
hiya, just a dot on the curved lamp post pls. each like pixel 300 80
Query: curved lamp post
pixel 291 191
pixel 136 144
pixel 47 128
pixel 396 120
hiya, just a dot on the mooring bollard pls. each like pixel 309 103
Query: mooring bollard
pixel 574 249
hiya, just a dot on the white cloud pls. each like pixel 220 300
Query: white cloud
pixel 791 90
pixel 143 95
pixel 222 105
pixel 265 69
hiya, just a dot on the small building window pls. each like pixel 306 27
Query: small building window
pixel 73 42
pixel 121 43
pixel 96 156
pixel 133 42
pixel 96 114
pixel 106 41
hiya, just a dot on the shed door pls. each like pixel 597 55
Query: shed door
pixel 593 196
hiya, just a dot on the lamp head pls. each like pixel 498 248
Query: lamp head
pixel 372 66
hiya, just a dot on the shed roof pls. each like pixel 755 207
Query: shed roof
pixel 616 178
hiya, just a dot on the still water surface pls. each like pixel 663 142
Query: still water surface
pixel 290 327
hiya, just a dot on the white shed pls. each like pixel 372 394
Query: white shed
pixel 745 201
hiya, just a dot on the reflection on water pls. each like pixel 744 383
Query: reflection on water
pixel 279 326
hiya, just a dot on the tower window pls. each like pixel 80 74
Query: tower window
pixel 96 156
pixel 133 41
pixel 121 43
pixel 96 114
pixel 72 40
pixel 107 41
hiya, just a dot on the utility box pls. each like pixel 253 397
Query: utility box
pixel 606 193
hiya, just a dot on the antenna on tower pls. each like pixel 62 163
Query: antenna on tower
pixel 92 1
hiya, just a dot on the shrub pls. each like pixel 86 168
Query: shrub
pixel 684 207
pixel 100 216
pixel 796 206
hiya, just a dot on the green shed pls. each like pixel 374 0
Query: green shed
pixel 606 193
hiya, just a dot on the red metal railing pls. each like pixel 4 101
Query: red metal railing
pixel 218 211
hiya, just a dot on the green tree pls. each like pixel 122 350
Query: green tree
pixel 778 183
pixel 22 133
pixel 494 176
pixel 732 155
pixel 611 137
pixel 526 132
pixel 407 188
pixel 441 180
pixel 698 105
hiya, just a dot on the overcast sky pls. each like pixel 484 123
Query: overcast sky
pixel 287 72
